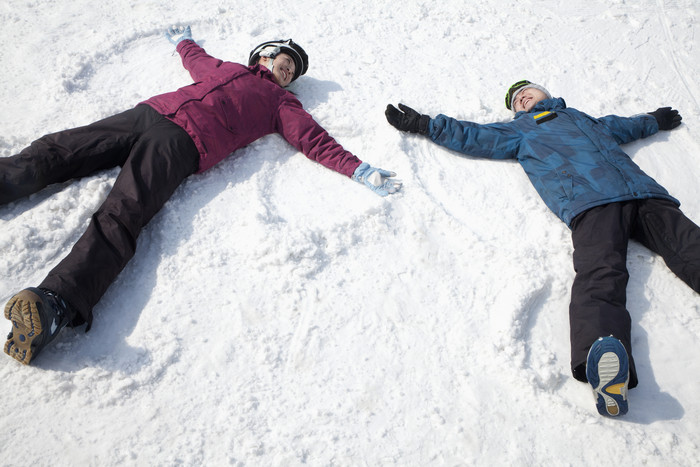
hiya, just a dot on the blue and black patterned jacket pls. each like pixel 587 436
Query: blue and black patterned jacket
pixel 573 160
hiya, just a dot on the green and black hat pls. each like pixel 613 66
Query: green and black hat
pixel 519 86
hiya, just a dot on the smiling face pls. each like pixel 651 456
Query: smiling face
pixel 527 99
pixel 283 68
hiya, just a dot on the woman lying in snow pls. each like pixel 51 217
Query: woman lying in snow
pixel 158 144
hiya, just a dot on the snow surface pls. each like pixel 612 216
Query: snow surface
pixel 278 313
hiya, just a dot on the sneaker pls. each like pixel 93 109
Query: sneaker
pixel 37 316
pixel 607 369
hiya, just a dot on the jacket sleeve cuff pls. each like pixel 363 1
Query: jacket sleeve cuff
pixel 424 124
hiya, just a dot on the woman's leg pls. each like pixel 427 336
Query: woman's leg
pixel 158 163
pixel 73 153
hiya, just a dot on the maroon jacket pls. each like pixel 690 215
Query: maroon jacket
pixel 231 105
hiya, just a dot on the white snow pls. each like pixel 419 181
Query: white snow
pixel 277 313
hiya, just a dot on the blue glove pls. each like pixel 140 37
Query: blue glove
pixel 377 180
pixel 177 34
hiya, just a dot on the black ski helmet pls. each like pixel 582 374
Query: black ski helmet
pixel 273 48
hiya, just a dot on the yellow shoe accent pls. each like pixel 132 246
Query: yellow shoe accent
pixel 616 388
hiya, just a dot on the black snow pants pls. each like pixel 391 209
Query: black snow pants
pixel 155 156
pixel 598 295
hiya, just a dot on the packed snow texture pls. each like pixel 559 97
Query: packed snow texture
pixel 278 313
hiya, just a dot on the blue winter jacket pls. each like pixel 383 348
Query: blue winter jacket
pixel 573 160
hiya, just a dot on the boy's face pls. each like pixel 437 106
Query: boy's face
pixel 527 99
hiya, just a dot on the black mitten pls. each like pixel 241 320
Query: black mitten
pixel 406 119
pixel 667 118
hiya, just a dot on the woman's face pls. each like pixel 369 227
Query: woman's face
pixel 282 68
pixel 527 99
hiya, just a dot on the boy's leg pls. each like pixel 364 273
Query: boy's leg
pixel 159 161
pixel 664 229
pixel 69 154
pixel 598 295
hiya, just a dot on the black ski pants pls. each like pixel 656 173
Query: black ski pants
pixel 598 295
pixel 155 156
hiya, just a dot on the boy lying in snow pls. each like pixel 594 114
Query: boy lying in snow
pixel 575 163
pixel 158 144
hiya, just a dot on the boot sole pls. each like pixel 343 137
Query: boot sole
pixel 23 312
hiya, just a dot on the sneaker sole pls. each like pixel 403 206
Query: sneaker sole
pixel 22 311
pixel 608 369
pixel 612 378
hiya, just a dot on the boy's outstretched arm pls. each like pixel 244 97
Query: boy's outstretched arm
pixel 628 129
pixel 493 141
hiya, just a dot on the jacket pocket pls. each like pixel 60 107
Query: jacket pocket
pixel 566 179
